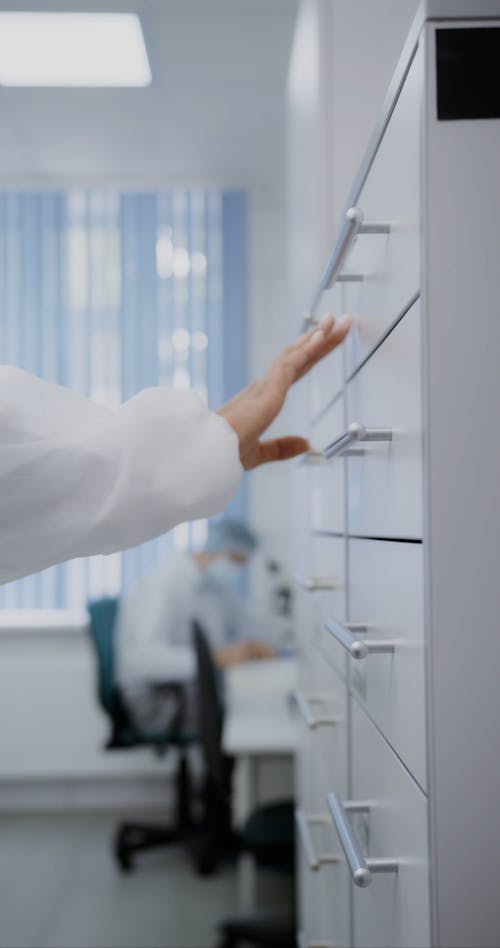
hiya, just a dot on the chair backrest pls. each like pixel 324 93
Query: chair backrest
pixel 103 614
pixel 210 698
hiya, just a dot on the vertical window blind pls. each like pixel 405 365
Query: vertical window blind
pixel 108 293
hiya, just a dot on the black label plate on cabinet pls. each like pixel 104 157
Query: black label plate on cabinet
pixel 468 73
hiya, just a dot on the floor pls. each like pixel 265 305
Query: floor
pixel 59 888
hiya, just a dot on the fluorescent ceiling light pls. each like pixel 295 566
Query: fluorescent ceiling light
pixel 72 49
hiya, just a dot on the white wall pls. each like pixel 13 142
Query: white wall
pixel 53 735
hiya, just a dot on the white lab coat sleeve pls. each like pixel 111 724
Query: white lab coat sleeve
pixel 77 479
pixel 156 663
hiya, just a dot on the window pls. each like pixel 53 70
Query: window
pixel 109 293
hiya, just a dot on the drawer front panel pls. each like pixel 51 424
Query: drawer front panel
pixel 322 742
pixel 330 740
pixel 327 378
pixel 328 560
pixel 385 592
pixel 394 909
pixel 327 501
pixel 309 898
pixel 385 483
pixel 324 908
pixel 327 919
pixel 306 783
pixel 389 263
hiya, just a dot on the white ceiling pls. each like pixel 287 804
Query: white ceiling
pixel 215 111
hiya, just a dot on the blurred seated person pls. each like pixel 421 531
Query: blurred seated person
pixel 153 644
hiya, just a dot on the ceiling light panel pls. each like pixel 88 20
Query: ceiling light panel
pixel 72 49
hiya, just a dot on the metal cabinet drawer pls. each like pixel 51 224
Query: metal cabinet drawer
pixel 327 500
pixel 324 897
pixel 306 783
pixel 389 263
pixel 324 720
pixel 394 909
pixel 308 901
pixel 324 587
pixel 385 481
pixel 321 712
pixel 327 377
pixel 327 380
pixel 325 876
pixel 386 595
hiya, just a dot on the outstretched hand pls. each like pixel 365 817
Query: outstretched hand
pixel 251 411
pixel 238 652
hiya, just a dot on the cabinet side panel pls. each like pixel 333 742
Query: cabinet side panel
pixel 462 462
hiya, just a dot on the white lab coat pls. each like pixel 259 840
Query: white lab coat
pixel 154 635
pixel 78 479
pixel 153 642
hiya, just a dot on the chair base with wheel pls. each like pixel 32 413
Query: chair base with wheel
pixel 131 838
pixel 269 930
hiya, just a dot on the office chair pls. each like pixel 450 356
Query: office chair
pixel 268 834
pixel 132 838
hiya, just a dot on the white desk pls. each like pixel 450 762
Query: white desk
pixel 260 717
pixel 260 728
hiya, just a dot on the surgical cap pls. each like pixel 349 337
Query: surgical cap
pixel 232 535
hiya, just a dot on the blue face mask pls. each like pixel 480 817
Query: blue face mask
pixel 223 571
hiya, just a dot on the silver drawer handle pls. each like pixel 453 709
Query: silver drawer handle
pixel 316 583
pixel 356 647
pixel 352 226
pixel 355 434
pixel 352 223
pixel 304 702
pixel 303 823
pixel 361 869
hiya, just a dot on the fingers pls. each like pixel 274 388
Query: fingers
pixel 325 326
pixel 314 347
pixel 323 341
pixel 319 347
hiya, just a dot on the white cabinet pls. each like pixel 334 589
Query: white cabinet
pixel 399 527
pixel 394 909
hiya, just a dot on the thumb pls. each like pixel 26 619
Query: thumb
pixel 280 449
